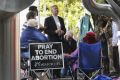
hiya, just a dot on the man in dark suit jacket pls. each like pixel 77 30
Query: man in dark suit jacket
pixel 55 27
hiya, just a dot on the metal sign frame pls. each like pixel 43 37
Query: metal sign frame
pixel 54 43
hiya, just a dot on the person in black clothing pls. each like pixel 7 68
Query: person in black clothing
pixel 69 46
pixel 103 26
pixel 55 27
pixel 33 9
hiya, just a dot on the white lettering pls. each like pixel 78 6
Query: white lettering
pixel 45 46
pixel 38 52
pixel 47 57
pixel 53 51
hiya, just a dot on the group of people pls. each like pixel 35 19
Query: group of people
pixel 107 34
pixel 55 29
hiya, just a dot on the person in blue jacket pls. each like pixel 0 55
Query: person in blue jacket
pixel 29 35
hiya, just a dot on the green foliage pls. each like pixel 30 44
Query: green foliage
pixel 70 10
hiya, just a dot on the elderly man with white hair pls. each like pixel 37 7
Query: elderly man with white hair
pixel 31 34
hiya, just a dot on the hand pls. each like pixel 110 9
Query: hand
pixel 62 32
pixel 59 32
pixel 66 55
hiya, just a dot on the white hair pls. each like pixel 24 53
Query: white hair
pixel 69 33
pixel 32 23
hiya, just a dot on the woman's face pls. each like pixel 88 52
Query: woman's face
pixel 68 37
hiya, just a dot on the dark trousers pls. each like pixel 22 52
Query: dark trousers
pixel 106 58
pixel 56 73
pixel 85 78
pixel 115 58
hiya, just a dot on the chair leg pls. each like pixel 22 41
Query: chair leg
pixel 71 72
pixel 75 74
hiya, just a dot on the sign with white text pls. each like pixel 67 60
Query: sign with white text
pixel 46 55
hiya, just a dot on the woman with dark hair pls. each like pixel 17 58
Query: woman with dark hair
pixel 30 15
pixel 34 9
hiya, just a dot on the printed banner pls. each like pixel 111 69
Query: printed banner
pixel 46 56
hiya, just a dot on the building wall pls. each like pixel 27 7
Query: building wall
pixel 9 51
pixel 1 47
pixel 9 38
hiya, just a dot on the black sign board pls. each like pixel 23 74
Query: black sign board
pixel 46 55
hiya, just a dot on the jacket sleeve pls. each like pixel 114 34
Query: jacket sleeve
pixel 62 24
pixel 49 27
pixel 39 37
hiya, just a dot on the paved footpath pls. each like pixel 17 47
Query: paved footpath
pixel 42 76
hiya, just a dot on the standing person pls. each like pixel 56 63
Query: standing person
pixel 55 27
pixel 103 36
pixel 115 52
pixel 30 15
pixel 33 9
pixel 84 25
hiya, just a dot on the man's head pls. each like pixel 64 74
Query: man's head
pixel 34 9
pixel 54 10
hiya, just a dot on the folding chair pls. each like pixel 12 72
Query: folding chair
pixel 68 63
pixel 89 59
